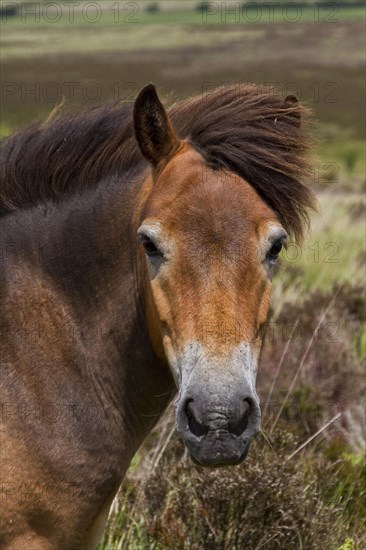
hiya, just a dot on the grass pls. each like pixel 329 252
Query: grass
pixel 331 253
pixel 135 13
pixel 342 158
pixel 185 58
pixel 5 129
pixel 37 40
pixel 266 502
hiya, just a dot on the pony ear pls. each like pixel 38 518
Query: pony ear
pixel 154 133
pixel 292 103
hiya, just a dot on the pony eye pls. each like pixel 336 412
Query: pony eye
pixel 275 250
pixel 150 248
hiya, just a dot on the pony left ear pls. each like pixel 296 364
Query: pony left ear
pixel 154 133
pixel 293 104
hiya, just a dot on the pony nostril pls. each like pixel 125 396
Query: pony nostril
pixel 239 424
pixel 195 427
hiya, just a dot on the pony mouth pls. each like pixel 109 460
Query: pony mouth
pixel 216 458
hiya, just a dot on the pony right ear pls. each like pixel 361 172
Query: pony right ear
pixel 154 133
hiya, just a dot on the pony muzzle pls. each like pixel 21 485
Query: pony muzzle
pixel 218 432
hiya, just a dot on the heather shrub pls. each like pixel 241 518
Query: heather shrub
pixel 273 500
pixel 312 364
pixel 267 502
pixel 357 210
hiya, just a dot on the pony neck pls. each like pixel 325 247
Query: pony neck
pixel 86 249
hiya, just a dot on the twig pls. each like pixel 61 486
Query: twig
pixel 279 367
pixel 302 362
pixel 314 435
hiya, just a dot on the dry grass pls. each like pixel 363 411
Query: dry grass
pixel 333 251
pixel 307 59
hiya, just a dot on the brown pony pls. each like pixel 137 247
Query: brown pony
pixel 138 247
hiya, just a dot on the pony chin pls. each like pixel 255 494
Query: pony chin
pixel 213 458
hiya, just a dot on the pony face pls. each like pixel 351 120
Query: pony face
pixel 210 246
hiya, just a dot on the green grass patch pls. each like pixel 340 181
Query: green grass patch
pixel 135 13
pixel 29 41
pixel 340 158
pixel 5 130
pixel 332 252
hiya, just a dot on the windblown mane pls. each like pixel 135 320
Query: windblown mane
pixel 243 128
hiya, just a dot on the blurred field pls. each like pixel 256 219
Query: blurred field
pixel 86 64
pixel 82 64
